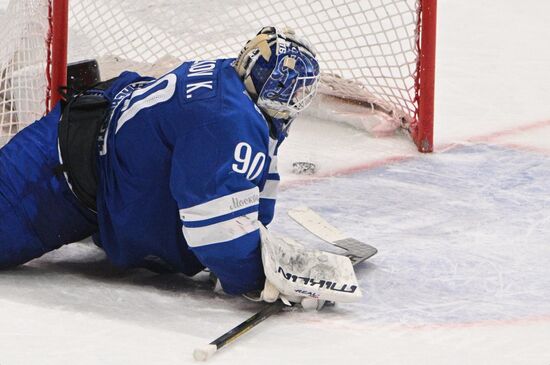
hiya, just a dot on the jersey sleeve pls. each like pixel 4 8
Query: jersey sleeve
pixel 268 191
pixel 215 175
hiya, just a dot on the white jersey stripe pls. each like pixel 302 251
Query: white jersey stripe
pixel 222 231
pixel 221 206
pixel 270 189
pixel 273 165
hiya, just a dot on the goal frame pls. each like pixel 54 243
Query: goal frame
pixel 423 122
pixel 425 92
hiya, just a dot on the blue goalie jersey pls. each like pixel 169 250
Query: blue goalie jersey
pixel 187 174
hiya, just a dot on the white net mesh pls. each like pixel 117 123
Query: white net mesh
pixel 23 55
pixel 367 48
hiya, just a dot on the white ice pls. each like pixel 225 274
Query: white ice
pixel 463 270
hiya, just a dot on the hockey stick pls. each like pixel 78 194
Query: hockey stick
pixel 357 252
pixel 204 353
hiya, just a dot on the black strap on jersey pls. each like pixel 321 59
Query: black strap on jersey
pixel 81 121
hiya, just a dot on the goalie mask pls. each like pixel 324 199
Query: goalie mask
pixel 280 72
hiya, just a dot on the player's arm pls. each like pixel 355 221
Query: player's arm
pixel 214 179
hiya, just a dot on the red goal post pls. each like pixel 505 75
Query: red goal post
pixel 375 52
pixel 423 135
pixel 58 37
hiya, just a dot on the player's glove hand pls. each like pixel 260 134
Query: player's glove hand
pixel 295 274
pixel 270 294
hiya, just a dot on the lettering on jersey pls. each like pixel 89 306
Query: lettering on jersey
pixel 240 203
pixel 223 205
pixel 252 167
pixel 198 85
pixel 203 69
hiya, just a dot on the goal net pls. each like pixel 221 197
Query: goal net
pixel 375 53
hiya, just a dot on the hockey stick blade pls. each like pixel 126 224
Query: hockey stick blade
pixel 356 250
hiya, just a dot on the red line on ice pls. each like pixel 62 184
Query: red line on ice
pixel 510 132
pixel 439 148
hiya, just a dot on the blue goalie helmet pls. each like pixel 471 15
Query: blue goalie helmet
pixel 280 72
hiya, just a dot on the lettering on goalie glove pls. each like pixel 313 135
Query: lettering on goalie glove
pixel 310 277
pixel 270 294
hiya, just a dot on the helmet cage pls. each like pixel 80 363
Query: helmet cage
pixel 291 86
pixel 291 77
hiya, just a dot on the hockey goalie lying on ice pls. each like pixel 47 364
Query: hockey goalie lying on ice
pixel 179 171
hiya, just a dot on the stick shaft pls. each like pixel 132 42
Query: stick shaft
pixel 244 327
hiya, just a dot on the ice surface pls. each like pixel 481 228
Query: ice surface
pixel 463 270
pixel 468 244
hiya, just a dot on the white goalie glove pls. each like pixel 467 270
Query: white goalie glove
pixel 309 277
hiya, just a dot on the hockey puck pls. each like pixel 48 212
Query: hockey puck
pixel 304 168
